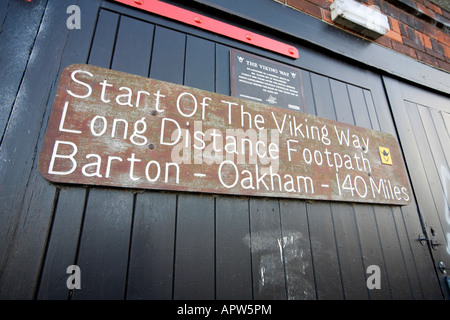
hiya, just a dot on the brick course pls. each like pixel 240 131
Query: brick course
pixel 420 29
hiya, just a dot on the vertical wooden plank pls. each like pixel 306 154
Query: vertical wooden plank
pixel 310 107
pixel 324 254
pixel 103 43
pixel 200 64
pixel 392 254
pixel 63 242
pixel 28 202
pixel 371 248
pixel 359 107
pixel 347 237
pixel 439 141
pixel 297 251
pixel 367 219
pixel 413 157
pixel 349 250
pixel 324 240
pixel 153 238
pixel 19 23
pixel 444 132
pixel 106 279
pixel 267 250
pixel 341 101
pixel 62 247
pixel 194 273
pixel 152 247
pixel 104 245
pixel 406 243
pixel 422 262
pixel 382 107
pixel 4 5
pixel 405 219
pixel 27 239
pixel 373 116
pixel 223 85
pixel 15 165
pixel 133 46
pixel 322 96
pixel 406 286
pixel 233 259
pixel 167 61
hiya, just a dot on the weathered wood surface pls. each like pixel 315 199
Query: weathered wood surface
pixel 46 227
pixel 117 129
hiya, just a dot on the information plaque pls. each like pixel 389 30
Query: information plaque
pixel 261 80
pixel 110 128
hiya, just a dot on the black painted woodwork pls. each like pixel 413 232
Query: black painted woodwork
pixel 133 244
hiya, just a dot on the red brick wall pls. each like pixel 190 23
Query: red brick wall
pixel 419 28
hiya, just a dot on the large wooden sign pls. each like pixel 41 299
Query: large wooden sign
pixel 115 129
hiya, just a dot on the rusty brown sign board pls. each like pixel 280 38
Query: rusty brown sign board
pixel 110 128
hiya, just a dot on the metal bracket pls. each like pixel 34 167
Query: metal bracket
pixel 434 244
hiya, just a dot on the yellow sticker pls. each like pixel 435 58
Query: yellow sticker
pixel 385 155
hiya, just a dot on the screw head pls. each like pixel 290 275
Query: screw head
pixel 442 267
pixel 151 146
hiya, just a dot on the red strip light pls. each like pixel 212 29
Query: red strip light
pixel 203 22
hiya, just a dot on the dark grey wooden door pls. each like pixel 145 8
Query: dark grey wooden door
pixel 423 123
pixel 133 244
